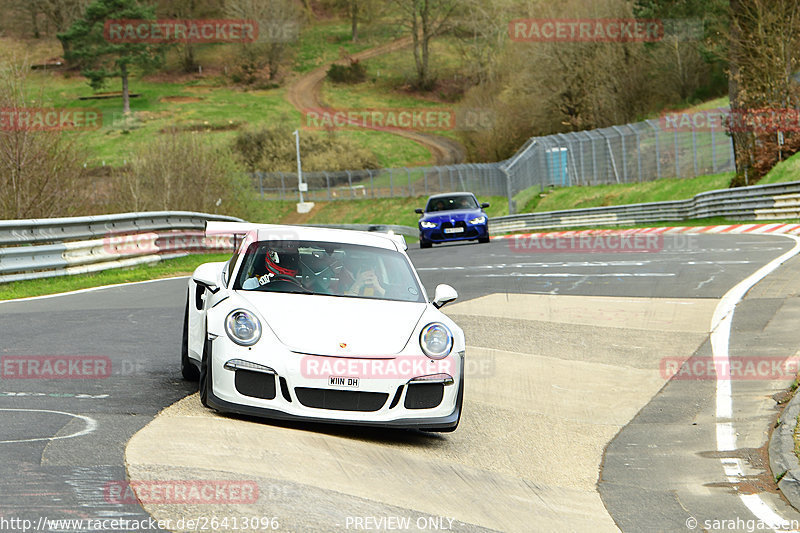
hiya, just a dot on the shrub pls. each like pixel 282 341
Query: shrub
pixel 355 72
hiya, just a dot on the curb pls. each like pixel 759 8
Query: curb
pixel 755 229
pixel 782 459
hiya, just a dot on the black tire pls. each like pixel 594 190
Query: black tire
pixel 425 244
pixel 483 240
pixel 206 383
pixel 188 370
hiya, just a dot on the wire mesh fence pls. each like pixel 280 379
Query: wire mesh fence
pixel 637 152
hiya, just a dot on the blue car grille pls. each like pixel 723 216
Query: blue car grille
pixel 440 234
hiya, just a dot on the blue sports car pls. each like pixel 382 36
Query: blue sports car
pixel 453 216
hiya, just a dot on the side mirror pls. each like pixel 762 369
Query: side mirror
pixel 443 295
pixel 419 211
pixel 207 275
pixel 484 205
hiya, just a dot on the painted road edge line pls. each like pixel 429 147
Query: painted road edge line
pixel 726 433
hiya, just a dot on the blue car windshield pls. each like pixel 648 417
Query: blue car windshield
pixel 450 203
pixel 328 268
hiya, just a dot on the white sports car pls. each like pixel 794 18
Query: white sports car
pixel 323 325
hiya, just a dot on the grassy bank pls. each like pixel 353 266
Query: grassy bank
pixel 182 266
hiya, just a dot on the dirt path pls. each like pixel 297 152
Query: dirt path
pixel 305 94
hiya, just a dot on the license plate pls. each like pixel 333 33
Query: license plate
pixel 454 230
pixel 347 383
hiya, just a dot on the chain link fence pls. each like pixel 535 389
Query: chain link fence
pixel 632 153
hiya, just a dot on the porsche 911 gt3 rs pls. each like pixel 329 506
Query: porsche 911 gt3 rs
pixel 322 325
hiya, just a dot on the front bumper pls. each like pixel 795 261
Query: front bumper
pixel 470 233
pixel 378 402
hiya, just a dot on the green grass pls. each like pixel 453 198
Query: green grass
pixel 531 200
pixel 788 170
pixel 172 267
pixel 325 42
pixel 366 211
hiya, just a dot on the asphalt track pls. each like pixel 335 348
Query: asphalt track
pixel 572 340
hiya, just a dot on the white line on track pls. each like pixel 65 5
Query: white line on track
pixel 90 289
pixel 726 433
pixel 91 425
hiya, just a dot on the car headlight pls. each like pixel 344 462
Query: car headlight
pixel 243 327
pixel 478 220
pixel 436 340
pixel 428 225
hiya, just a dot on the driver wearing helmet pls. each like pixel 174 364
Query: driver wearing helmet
pixel 280 263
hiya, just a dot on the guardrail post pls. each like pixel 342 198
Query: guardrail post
pixel 327 184
pixel 261 183
pixel 283 186
pixel 410 185
pixel 391 182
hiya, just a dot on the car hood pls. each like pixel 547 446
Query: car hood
pixel 338 326
pixel 456 215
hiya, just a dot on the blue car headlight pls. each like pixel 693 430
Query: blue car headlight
pixel 428 225
pixel 436 340
pixel 478 220
pixel 243 327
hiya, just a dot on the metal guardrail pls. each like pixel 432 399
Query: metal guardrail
pixel 757 202
pixel 43 248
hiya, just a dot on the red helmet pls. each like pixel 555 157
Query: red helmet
pixel 282 260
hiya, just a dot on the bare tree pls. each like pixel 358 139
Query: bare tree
pixel 764 53
pixel 482 30
pixel 278 26
pixel 426 20
pixel 41 172
pixel 189 9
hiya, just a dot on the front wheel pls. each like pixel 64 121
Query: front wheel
pixel 425 244
pixel 483 240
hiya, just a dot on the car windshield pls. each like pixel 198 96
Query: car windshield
pixel 449 203
pixel 327 268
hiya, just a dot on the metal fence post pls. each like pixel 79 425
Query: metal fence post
pixel 624 154
pixel 694 149
pixel 677 158
pixel 658 150
pixel 371 183
pixel 350 183
pixel 638 151
pixel 283 186
pixel 327 184
pixel 713 149
pixel 391 182
pixel 261 183
pixel 410 185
